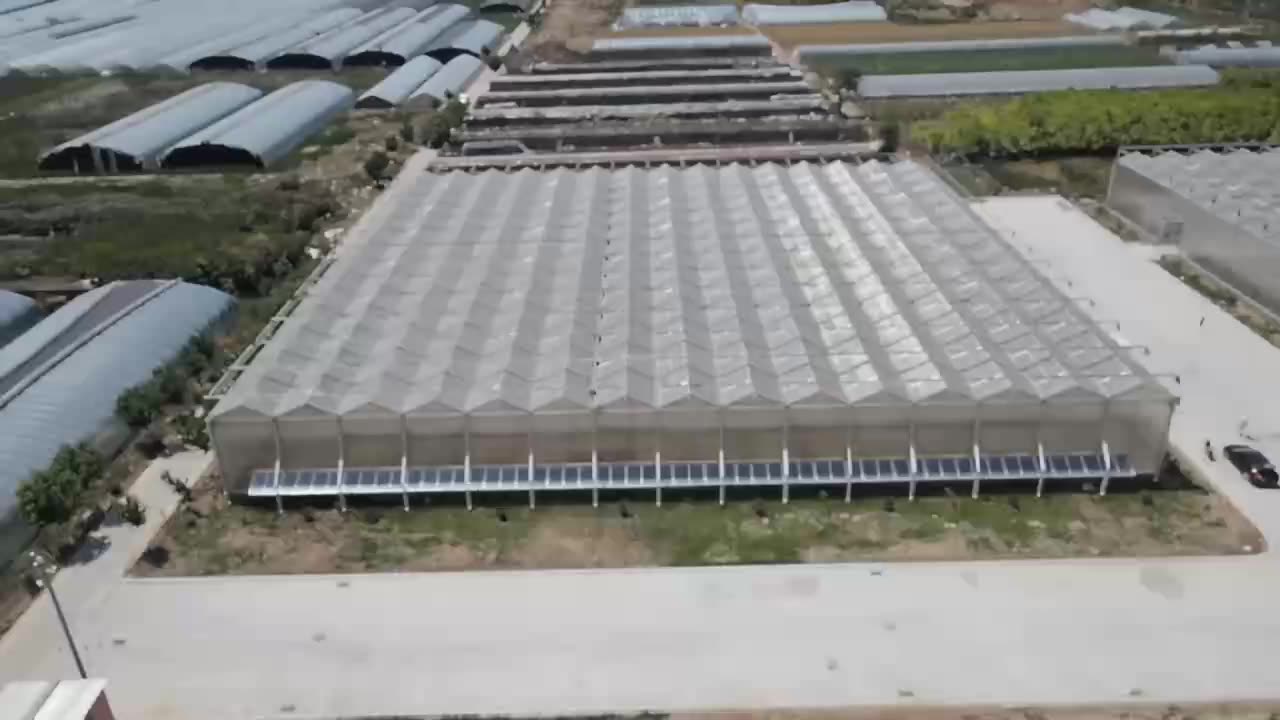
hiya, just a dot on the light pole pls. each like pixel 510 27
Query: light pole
pixel 41 566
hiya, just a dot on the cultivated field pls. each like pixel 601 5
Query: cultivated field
pixel 791 35
pixel 213 536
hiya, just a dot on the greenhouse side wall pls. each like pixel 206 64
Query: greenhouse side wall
pixel 1136 427
pixel 1249 263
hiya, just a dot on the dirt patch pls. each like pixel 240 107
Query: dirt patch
pixel 567 27
pixel 214 536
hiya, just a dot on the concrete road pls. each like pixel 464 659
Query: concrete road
pixel 804 636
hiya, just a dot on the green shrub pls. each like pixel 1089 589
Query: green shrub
pixel 376 165
pixel 52 495
pixel 1096 121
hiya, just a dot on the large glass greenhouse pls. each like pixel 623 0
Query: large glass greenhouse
pixel 698 326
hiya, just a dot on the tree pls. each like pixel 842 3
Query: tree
pixel 52 495
pixel 376 165
pixel 139 405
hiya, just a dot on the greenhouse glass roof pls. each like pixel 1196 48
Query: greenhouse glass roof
pixel 642 289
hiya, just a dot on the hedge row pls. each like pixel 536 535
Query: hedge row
pixel 1094 121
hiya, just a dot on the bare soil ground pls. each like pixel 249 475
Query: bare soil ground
pixel 791 35
pixel 567 27
pixel 213 536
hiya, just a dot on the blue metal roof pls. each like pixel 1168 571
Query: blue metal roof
pixel 119 334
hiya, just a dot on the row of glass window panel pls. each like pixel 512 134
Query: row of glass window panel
pixel 355 480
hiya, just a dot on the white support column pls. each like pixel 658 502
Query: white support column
pixel 404 463
pixel 911 461
pixel 595 472
pixel 275 476
pixel 720 460
pixel 342 469
pixel 529 468
pixel 466 465
pixel 657 476
pixel 848 465
pixel 1042 466
pixel 1106 449
pixel 786 462
pixel 977 458
pixel 1106 468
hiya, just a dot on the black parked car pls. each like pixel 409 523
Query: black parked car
pixel 1253 465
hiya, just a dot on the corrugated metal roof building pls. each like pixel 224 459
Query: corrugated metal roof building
pixel 1030 81
pixel 135 142
pixel 448 82
pixel 17 314
pixel 60 380
pixel 398 45
pixel 671 326
pixel 265 131
pixel 472 37
pixel 399 85
pixel 838 12
pixel 678 16
pixel 1221 208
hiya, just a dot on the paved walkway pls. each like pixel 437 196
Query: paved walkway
pixel 802 636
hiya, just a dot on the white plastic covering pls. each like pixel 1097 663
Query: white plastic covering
pixel 1125 18
pixel 840 12
pixel 448 82
pixel 265 131
pixel 809 52
pixel 399 85
pixel 1257 57
pixel 135 142
pixel 753 44
pixel 678 16
pixel 688 309
pixel 400 44
pixel 59 381
pixel 1028 81
pixel 76 36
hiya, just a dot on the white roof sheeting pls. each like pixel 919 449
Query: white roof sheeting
pixel 1255 57
pixel 1240 186
pixel 266 130
pixel 1030 81
pixel 399 85
pixel 474 37
pixel 328 50
pixel 136 142
pixel 839 12
pixel 1125 18
pixel 398 45
pixel 448 82
pixel 252 51
pixel 59 381
pixel 508 295
pixel 677 16
pixel 656 46
pixel 931 46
